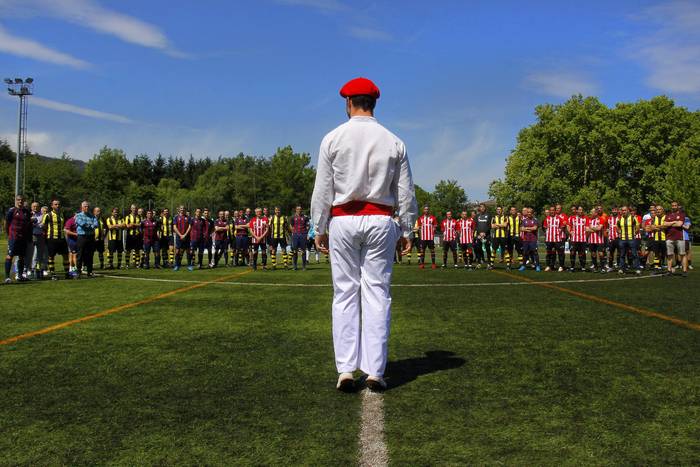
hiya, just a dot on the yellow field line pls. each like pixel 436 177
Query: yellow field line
pixel 116 309
pixel 623 306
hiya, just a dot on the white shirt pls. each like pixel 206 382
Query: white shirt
pixel 363 161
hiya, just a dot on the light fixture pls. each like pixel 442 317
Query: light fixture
pixel 8 81
pixel 18 81
pixel 29 80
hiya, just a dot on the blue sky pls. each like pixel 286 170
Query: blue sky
pixel 458 78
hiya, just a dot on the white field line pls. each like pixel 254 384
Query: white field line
pixel 456 284
pixel 372 445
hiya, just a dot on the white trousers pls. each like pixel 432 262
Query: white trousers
pixel 362 258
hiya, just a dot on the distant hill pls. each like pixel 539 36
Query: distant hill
pixel 80 165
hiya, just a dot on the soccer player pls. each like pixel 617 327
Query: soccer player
pixel 70 231
pixel 515 242
pixel 657 230
pixel 229 234
pixel 554 239
pixel 448 228
pixel 18 227
pixel 27 271
pixel 197 239
pixel 595 228
pixel 241 229
pixel 483 236
pixel 151 241
pixel 627 227
pixel 688 238
pixel 39 264
pixel 638 237
pixel 182 225
pixel 100 232
pixel 55 239
pixel 499 225
pixel 675 244
pixel 132 224
pixel 613 237
pixel 577 235
pixel 258 232
pixel 208 233
pixel 85 225
pixel 426 225
pixel 465 230
pixel 166 239
pixel 300 225
pixel 279 227
pixel 529 228
pixel 221 228
pixel 115 245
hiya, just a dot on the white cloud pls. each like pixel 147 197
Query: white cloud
pixel 90 14
pixel 74 109
pixel 370 34
pixel 36 141
pixel 324 5
pixel 28 48
pixel 562 84
pixel 672 52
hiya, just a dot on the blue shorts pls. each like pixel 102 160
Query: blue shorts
pixel 196 245
pixel 241 242
pixel 298 241
pixel 529 247
pixel 72 245
pixel 16 247
pixel 182 243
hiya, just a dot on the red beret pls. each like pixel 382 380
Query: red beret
pixel 359 86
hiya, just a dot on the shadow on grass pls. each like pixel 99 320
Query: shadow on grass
pixel 404 371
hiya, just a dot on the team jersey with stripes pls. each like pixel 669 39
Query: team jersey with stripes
pixel 578 228
pixel 221 234
pixel 500 232
pixel 659 235
pixel 638 235
pixel 613 232
pixel 465 228
pixel 626 227
pixel 101 229
pixel 278 226
pixel 114 234
pixel 449 230
pixel 300 224
pixel 257 226
pixel 150 229
pixel 198 226
pixel 181 223
pixel 54 225
pixel 595 237
pixel 133 219
pixel 552 226
pixel 166 227
pixel 426 224
pixel 18 223
pixel 514 223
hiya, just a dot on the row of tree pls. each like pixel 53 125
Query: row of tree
pixel 584 152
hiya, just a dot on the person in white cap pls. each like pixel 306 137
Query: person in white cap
pixel 363 176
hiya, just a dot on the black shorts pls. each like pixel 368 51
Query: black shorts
pixel 261 245
pixel 16 247
pixel 115 246
pixel 449 245
pixel 424 244
pixel 465 246
pixel 100 245
pixel 275 242
pixel 596 248
pixel 165 242
pixel 57 247
pixel 133 242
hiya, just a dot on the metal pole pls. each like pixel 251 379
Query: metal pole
pixel 19 145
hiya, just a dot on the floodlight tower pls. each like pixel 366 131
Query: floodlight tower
pixel 23 88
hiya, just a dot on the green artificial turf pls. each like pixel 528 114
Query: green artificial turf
pixel 239 372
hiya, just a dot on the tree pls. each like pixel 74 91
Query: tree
pixel 448 196
pixel 107 175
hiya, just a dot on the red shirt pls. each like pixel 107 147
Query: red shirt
pixel 427 225
pixel 672 233
pixel 258 225
pixel 613 233
pixel 449 230
pixel 553 228
pixel 220 234
pixel 578 228
pixel 595 237
pixel 638 235
pixel 465 227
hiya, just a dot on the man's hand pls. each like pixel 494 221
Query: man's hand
pixel 406 244
pixel 321 242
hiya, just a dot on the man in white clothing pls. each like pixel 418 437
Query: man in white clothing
pixel 363 175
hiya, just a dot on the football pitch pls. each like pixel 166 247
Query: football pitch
pixel 235 367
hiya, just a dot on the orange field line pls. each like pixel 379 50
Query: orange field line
pixel 116 309
pixel 623 306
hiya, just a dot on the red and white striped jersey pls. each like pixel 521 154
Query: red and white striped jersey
pixel 613 233
pixel 426 225
pixel 638 235
pixel 449 229
pixel 564 219
pixel 465 228
pixel 595 237
pixel 258 226
pixel 578 228
pixel 553 229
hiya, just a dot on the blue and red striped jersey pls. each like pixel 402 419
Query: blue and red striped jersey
pixel 149 228
pixel 18 223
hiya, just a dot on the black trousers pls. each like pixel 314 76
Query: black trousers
pixel 86 251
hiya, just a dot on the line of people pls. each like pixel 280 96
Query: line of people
pixel 36 236
pixel 622 240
